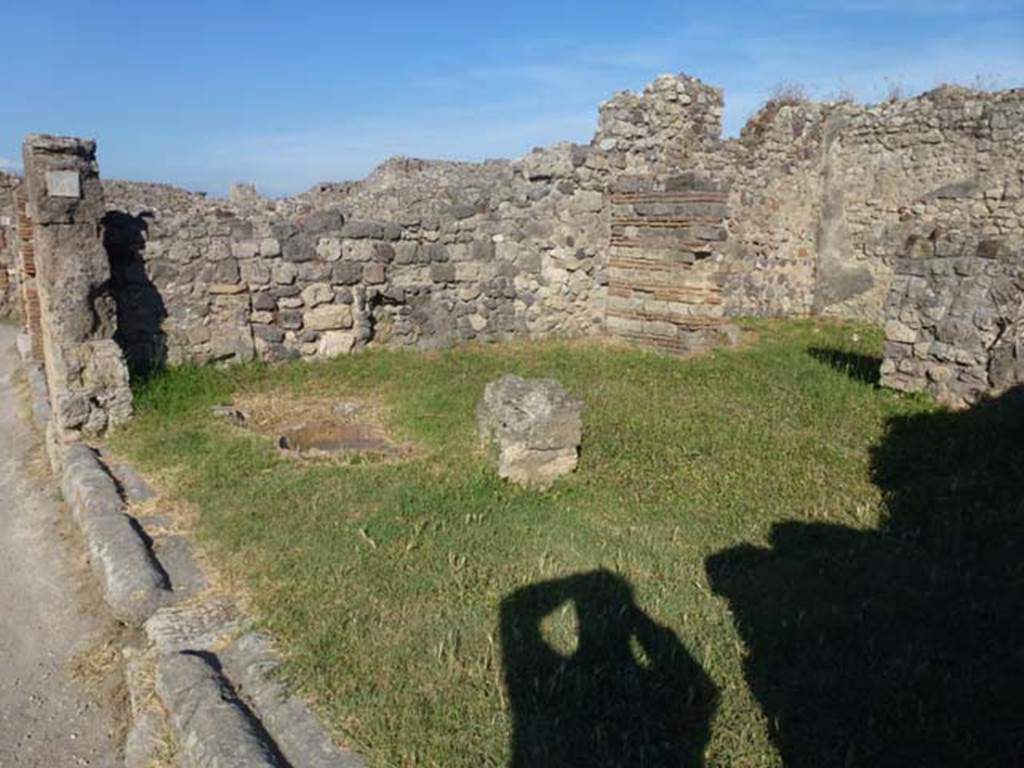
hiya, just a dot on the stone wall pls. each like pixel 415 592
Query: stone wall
pixel 955 318
pixel 951 156
pixel 772 173
pixel 205 280
pixel 428 253
pixel 9 302
pixel 819 191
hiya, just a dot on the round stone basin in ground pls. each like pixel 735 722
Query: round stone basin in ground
pixel 337 438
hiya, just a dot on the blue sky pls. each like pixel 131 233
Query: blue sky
pixel 285 94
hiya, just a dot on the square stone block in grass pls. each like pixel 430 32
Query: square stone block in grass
pixel 535 426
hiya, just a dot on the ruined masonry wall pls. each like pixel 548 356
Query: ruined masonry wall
pixel 9 303
pixel 771 175
pixel 955 319
pixel 425 253
pixel 205 280
pixel 952 158
pixel 665 269
pixel 819 192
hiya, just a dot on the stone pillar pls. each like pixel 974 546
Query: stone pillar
pixel 668 242
pixel 85 369
pixel 10 299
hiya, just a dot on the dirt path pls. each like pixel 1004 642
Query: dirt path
pixel 49 612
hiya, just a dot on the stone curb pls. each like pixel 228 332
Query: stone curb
pixel 250 662
pixel 134 585
pixel 216 729
pixel 239 716
pixel 242 665
pixel 39 396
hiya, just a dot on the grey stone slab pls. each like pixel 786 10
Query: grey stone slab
pixel 215 729
pixel 148 720
pixel 250 662
pixel 198 626
pixel 39 397
pixel 132 485
pixel 133 584
pixel 176 556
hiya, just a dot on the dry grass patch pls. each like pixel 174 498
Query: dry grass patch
pixel 349 430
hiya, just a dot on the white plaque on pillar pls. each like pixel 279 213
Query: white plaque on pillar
pixel 63 184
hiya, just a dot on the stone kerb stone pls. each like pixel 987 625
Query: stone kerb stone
pixel 133 585
pixel 535 426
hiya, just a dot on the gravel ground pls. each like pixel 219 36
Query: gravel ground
pixel 52 622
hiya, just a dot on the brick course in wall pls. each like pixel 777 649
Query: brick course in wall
pixel 665 273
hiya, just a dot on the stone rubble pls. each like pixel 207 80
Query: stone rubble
pixel 534 425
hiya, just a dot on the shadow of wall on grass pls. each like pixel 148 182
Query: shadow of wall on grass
pixel 609 704
pixel 866 368
pixel 901 646
pixel 140 308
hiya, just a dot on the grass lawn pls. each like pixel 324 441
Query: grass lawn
pixel 745 564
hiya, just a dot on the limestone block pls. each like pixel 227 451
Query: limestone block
pixel 317 294
pixel 246 249
pixel 254 272
pixel 467 272
pixel 586 201
pixel 227 289
pixel 329 248
pixel 270 248
pixel 358 250
pixel 373 274
pixel 328 317
pixel 232 343
pixel 335 343
pixel 285 273
pixel 897 331
pixel 536 427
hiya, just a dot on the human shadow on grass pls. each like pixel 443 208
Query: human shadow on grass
pixel 866 368
pixel 904 645
pixel 630 695
pixel 140 307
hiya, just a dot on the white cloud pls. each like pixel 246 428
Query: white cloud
pixel 7 164
pixel 555 92
pixel 288 162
